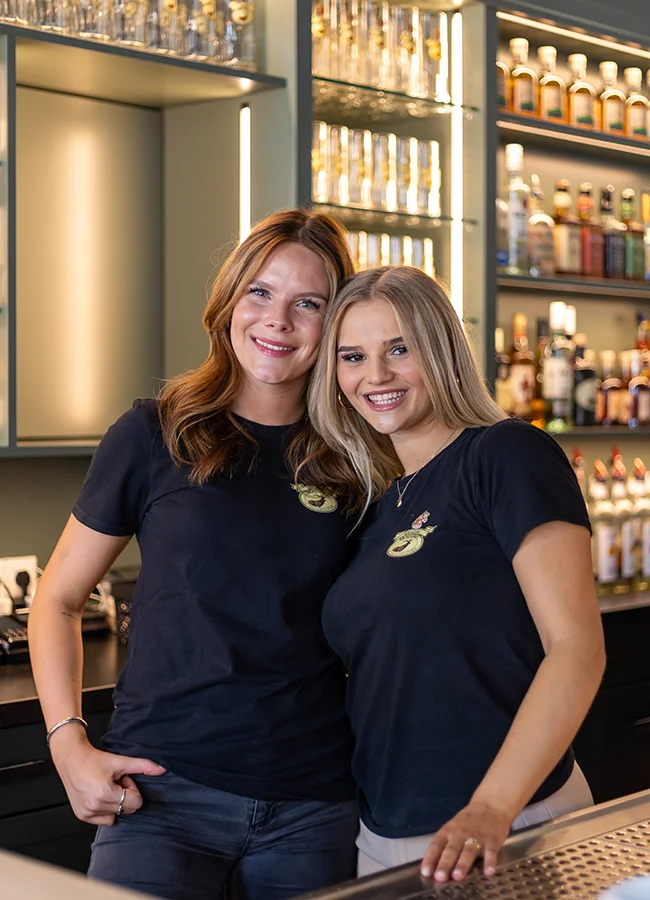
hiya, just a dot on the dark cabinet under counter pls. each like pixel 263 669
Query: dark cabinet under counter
pixel 35 816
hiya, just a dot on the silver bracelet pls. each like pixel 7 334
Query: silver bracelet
pixel 63 722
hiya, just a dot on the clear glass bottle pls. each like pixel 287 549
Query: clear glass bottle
pixel 605 553
pixel 406 146
pixel 639 390
pixel 86 16
pixel 552 88
pixel 518 195
pixel 585 383
pixel 538 405
pixel 541 249
pixel 636 105
pixel 558 371
pixel 320 39
pixel 130 22
pixel 378 55
pixel 238 45
pixel 625 519
pixel 645 216
pixel 501 211
pixel 566 234
pixel 612 100
pixel 640 493
pixel 614 235
pixel 522 368
pixel 319 162
pixel 336 165
pixel 359 153
pixel 504 103
pixel 104 20
pixel 428 178
pixel 591 234
pixel 429 53
pixel 609 401
pixel 634 247
pixel 8 10
pixel 381 171
pixel 25 11
pixel 502 393
pixel 582 94
pixel 523 80
pixel 403 47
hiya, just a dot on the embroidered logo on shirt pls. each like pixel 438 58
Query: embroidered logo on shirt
pixel 406 543
pixel 314 499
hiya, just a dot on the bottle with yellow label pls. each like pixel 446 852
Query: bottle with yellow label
pixel 582 94
pixel 523 80
pixel 552 89
pixel 612 100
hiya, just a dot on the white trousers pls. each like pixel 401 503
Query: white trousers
pixel 378 853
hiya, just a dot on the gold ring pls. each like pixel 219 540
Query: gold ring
pixel 472 842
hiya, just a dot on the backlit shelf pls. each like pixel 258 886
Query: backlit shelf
pixel 549 136
pixel 373 219
pixel 591 288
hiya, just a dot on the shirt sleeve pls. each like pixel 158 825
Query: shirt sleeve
pixel 114 495
pixel 524 480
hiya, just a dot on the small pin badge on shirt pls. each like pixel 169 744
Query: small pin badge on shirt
pixel 408 542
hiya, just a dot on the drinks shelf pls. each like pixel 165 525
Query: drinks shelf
pixel 546 135
pixel 602 432
pixel 341 101
pixel 608 289
pixel 56 62
pixel 363 218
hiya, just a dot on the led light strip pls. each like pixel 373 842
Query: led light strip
pixel 456 165
pixel 573 139
pixel 244 172
pixel 574 35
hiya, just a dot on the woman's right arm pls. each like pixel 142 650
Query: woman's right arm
pixel 93 779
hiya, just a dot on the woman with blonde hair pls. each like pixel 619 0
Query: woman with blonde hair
pixel 227 757
pixel 467 621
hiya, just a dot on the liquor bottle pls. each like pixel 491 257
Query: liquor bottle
pixel 541 251
pixel 566 234
pixel 359 154
pixel 320 40
pixel 585 383
pixel 518 196
pixel 238 45
pixel 645 215
pixel 604 531
pixel 552 88
pixel 202 41
pixel 522 368
pixel 319 162
pixel 638 387
pixel 612 100
pixel 130 23
pixel 378 61
pixel 429 55
pixel 503 396
pixel 636 105
pixel 578 466
pixel 406 202
pixel 501 211
pixel 634 247
pixel 625 405
pixel 614 234
pixel 523 80
pixel 582 94
pixel 627 541
pixel 166 26
pixel 641 499
pixel 609 395
pixel 558 371
pixel 428 177
pixel 538 403
pixel 403 46
pixel 591 234
pixel 503 87
pixel 337 164
pixel 643 331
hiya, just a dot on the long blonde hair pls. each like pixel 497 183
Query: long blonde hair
pixel 437 343
pixel 198 428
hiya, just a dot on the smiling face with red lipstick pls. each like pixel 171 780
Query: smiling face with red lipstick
pixel 276 325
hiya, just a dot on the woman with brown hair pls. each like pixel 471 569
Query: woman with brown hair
pixel 468 620
pixel 226 761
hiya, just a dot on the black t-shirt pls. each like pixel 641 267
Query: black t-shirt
pixel 433 627
pixel 229 681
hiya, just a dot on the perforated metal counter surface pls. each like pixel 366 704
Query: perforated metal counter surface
pixel 574 858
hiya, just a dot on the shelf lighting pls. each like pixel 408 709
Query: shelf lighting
pixel 585 138
pixel 244 172
pixel 456 164
pixel 550 28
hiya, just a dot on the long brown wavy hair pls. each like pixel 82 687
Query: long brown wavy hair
pixel 198 426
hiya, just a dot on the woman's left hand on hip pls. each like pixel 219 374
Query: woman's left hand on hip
pixel 476 831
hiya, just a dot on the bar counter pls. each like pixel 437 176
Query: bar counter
pixel 576 857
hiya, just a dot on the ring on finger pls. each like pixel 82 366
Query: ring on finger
pixel 120 807
pixel 472 842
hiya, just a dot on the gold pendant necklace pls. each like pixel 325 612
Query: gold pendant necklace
pixel 400 493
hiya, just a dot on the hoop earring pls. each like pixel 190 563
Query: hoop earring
pixel 342 402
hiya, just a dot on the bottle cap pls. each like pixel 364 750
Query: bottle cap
pixel 589 357
pixel 519 323
pixel 570 320
pixel 608 358
pixel 499 342
pixel 600 470
pixel 577 63
pixel 557 315
pixel 633 76
pixel 639 468
pixel 580 340
pixel 547 54
pixel 585 187
pixel 609 70
pixel 519 48
pixel 562 185
pixel 514 157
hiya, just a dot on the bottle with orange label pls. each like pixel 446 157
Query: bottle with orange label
pixel 523 80
pixel 636 105
pixel 582 94
pixel 552 88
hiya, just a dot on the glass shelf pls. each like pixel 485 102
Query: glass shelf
pixel 601 431
pixel 549 136
pixel 344 100
pixel 609 289
pixel 379 218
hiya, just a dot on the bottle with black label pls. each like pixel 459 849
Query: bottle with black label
pixel 585 380
pixel 558 371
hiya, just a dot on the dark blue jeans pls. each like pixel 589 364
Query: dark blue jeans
pixel 189 842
